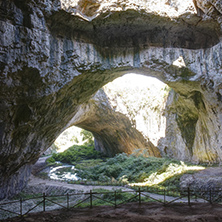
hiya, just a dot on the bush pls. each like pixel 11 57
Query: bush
pixel 90 165
pixel 50 160
pixel 85 164
pixel 87 137
pixel 110 196
pixel 160 172
pixel 76 154
pixel 132 168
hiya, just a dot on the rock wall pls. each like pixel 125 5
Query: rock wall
pixel 142 99
pixel 54 55
pixel 113 131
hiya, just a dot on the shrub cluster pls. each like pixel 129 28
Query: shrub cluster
pixel 90 165
pixel 125 168
pixel 75 154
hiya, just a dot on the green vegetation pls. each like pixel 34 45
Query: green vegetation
pixel 86 164
pixel 25 195
pixel 123 168
pixel 146 171
pixel 75 154
pixel 87 138
pixel 43 175
pixel 133 169
pixel 103 197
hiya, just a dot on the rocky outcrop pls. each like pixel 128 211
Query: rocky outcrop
pixel 113 131
pixel 142 99
pixel 204 180
pixel 194 113
pixel 54 55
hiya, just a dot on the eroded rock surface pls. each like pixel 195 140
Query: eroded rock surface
pixel 113 131
pixel 54 55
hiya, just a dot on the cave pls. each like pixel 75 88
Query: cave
pixel 56 54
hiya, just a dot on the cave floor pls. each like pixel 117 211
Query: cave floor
pixel 132 212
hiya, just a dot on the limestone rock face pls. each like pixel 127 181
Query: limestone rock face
pixel 54 55
pixel 113 132
pixel 142 99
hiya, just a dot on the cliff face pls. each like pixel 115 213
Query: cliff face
pixel 54 55
pixel 142 100
pixel 113 131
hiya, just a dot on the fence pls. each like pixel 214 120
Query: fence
pixel 115 198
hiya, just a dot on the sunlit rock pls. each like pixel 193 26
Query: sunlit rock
pixel 113 131
pixel 142 99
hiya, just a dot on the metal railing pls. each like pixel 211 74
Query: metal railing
pixel 114 198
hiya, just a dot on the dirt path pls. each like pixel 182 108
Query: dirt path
pixel 132 212
pixel 35 181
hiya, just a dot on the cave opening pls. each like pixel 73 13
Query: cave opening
pixel 132 105
pixel 138 99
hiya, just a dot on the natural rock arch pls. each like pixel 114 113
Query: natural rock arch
pixel 114 132
pixel 52 61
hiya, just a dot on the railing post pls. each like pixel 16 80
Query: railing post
pixel 188 195
pixel 43 201
pixel 139 196
pixel 21 206
pixel 90 198
pixel 210 196
pixel 67 200
pixel 115 198
pixel 164 197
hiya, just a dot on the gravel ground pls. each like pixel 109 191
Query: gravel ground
pixel 132 212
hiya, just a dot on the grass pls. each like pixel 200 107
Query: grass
pixel 25 196
pixel 86 164
pixel 102 197
pixel 75 154
pixel 135 170
pixel 43 175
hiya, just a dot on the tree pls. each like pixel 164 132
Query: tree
pixel 87 137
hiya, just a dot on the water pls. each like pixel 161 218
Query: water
pixel 65 173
